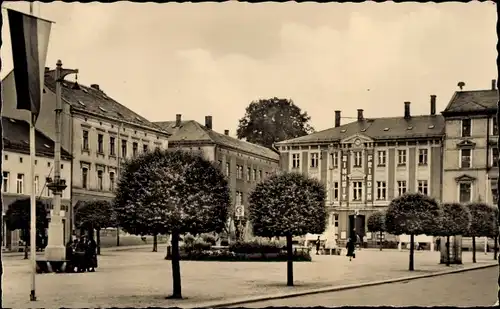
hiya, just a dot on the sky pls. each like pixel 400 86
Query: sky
pixel 215 58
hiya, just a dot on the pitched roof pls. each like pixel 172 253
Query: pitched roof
pixel 16 138
pixel 169 126
pixel 193 131
pixel 474 101
pixel 389 128
pixel 89 99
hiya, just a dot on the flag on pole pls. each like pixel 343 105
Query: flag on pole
pixel 29 37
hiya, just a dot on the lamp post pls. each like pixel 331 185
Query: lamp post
pixel 55 250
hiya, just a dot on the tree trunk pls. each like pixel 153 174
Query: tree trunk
pixel 381 241
pixel 155 243
pixel 26 237
pixel 473 249
pixel 289 262
pixel 98 241
pixel 412 248
pixel 447 250
pixel 176 267
pixel 495 248
pixel 117 236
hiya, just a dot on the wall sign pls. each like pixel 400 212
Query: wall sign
pixel 369 176
pixel 343 176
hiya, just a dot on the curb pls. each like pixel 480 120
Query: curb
pixel 254 299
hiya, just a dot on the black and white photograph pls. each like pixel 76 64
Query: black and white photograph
pixel 238 154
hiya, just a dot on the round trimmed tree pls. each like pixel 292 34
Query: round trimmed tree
pixel 287 205
pixel 175 191
pixel 455 220
pixel 481 225
pixel 94 215
pixel 413 214
pixel 376 224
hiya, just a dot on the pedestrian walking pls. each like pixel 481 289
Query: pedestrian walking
pixel 438 243
pixel 318 244
pixel 70 257
pixel 91 255
pixel 80 255
pixel 351 248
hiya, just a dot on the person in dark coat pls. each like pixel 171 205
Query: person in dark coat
pixel 81 249
pixel 438 244
pixel 70 257
pixel 351 246
pixel 318 244
pixel 91 255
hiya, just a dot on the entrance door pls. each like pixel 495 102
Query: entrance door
pixel 358 226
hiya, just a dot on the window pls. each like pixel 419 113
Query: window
pixel 465 192
pixel 335 159
pixel 6 157
pixel 100 146
pixel 358 159
pixel 20 184
pixel 402 157
pixel 145 148
pixel 466 127
pixel 135 146
pixel 381 190
pixel 465 158
pixel 36 184
pixel 494 157
pixel 381 158
pixel 112 151
pixel 254 174
pixel 20 159
pixel 336 220
pixel 248 173
pixel 99 180
pixel 85 176
pixel 422 157
pixel 494 126
pixel 85 141
pixel 296 160
pixel 240 171
pixel 401 187
pixel 227 169
pixel 314 160
pixel 260 174
pixel 239 198
pixel 423 187
pixel 5 182
pixel 357 190
pixel 111 181
pixel 336 191
pixel 62 166
pixel 124 148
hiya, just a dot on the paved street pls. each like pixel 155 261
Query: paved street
pixel 139 278
pixel 471 289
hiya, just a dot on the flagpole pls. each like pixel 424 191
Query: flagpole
pixel 33 208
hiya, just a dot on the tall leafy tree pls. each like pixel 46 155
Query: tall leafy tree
pixel 176 191
pixel 94 215
pixel 481 225
pixel 413 214
pixel 18 217
pixel 288 204
pixel 268 121
pixel 376 223
pixel 455 220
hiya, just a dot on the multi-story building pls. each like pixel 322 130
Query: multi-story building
pixel 366 163
pixel 243 163
pixel 16 180
pixel 98 131
pixel 471 147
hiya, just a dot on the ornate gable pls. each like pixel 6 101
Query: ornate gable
pixel 466 144
pixel 356 175
pixel 357 139
pixel 465 178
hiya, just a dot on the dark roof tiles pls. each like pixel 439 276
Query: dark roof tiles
pixel 472 101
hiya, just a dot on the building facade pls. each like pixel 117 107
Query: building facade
pixel 16 175
pixel 471 147
pixel 366 163
pixel 245 164
pixel 98 131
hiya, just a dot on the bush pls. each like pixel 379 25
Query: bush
pixel 208 238
pixel 228 256
pixel 255 246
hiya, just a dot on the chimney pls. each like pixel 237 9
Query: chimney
pixel 337 119
pixel 433 104
pixel 95 86
pixel 360 115
pixel 494 84
pixel 178 119
pixel 407 110
pixel 208 122
pixel 226 132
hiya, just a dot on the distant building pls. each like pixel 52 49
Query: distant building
pixel 16 180
pixel 98 131
pixel 245 164
pixel 366 163
pixel 471 147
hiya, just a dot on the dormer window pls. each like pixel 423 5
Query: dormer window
pixel 409 128
pixel 81 103
pixel 386 129
pixel 343 130
pixel 102 109
pixel 431 126
pixel 85 90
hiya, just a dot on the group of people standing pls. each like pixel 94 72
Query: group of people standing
pixel 81 255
